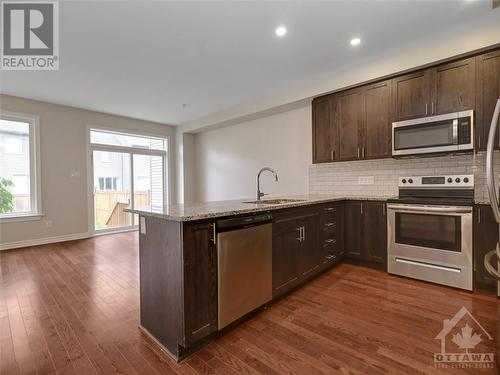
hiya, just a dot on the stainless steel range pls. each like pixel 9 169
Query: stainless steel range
pixel 430 229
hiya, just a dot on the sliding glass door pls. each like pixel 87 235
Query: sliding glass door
pixel 128 171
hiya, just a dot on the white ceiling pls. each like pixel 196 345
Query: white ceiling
pixel 145 59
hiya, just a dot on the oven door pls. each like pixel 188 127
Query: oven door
pixel 432 243
pixel 444 133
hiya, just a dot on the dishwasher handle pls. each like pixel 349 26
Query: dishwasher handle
pixel 243 222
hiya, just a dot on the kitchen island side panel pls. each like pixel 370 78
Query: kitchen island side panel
pixel 161 278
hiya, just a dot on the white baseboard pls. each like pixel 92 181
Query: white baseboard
pixel 44 241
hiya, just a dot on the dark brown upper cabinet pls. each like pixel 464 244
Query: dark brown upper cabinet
pixel 348 119
pixel 324 137
pixel 377 132
pixel 488 92
pixel 453 87
pixel 412 95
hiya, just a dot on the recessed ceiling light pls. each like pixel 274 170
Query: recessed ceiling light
pixel 280 31
pixel 355 41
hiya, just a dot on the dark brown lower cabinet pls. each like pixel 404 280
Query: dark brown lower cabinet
pixel 353 245
pixel 305 242
pixel 485 240
pixel 365 231
pixel 178 282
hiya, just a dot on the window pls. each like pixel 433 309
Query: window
pixel 19 171
pixel 130 170
pixel 108 183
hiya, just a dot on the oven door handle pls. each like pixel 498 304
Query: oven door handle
pixel 450 210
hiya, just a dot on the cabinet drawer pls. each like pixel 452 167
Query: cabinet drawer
pixel 329 214
pixel 329 230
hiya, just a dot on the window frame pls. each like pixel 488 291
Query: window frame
pixel 35 166
pixel 166 154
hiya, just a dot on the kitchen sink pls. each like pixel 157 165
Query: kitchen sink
pixel 276 201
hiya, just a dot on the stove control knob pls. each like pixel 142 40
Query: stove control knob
pixel 466 179
pixel 410 181
pixel 457 180
pixel 450 180
pixel 403 180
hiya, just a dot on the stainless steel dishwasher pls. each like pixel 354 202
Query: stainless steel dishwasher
pixel 244 249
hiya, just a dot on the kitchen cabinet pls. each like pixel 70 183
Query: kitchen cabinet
pixel 325 146
pixel 453 87
pixel 377 131
pixel 353 245
pixel 331 237
pixel 433 91
pixel 348 119
pixel 485 240
pixel 200 281
pixel 411 95
pixel 374 228
pixel 488 92
pixel 365 231
pixel 309 257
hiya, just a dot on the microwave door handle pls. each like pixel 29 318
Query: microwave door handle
pixel 455 131
pixel 490 173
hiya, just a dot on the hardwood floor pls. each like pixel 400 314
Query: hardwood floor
pixel 73 308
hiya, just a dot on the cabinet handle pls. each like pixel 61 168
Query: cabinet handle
pixel 214 234
pixel 432 108
pixel 363 152
pixel 479 141
pixel 361 207
pixel 426 109
pixel 330 240
pixel 358 153
pixel 303 233
pixel 329 224
pixel 300 234
pixel 332 155
pixel 479 215
pixel 383 209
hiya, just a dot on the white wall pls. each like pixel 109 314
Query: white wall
pixel 228 159
pixel 63 149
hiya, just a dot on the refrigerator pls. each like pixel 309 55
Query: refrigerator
pixel 492 258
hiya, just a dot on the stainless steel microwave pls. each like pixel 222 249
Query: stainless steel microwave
pixel 452 132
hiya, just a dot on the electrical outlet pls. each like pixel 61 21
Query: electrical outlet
pixel 48 223
pixel 366 180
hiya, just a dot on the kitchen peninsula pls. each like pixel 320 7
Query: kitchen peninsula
pixel 180 277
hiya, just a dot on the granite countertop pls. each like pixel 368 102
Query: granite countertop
pixel 199 211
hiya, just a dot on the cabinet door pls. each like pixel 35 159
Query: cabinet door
pixel 309 257
pixel 200 281
pixel 352 230
pixel 488 92
pixel 485 240
pixel 412 94
pixel 324 139
pixel 454 87
pixel 377 132
pixel 374 224
pixel 286 241
pixel 349 109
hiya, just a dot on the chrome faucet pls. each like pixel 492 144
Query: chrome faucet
pixel 259 193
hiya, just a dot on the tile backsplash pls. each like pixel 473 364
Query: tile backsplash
pixel 350 178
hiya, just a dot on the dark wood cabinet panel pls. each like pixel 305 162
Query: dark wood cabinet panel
pixel 374 226
pixel 286 241
pixel 353 245
pixel 309 256
pixel 412 95
pixel 200 281
pixel 349 108
pixel 454 87
pixel 378 121
pixel 485 240
pixel 324 137
pixel 488 92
